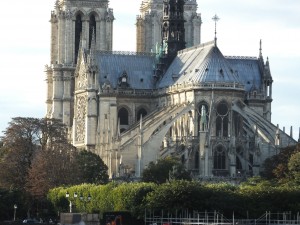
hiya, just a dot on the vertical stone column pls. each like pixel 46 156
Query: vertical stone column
pixel 196 30
pixel 98 33
pixel 109 37
pixel 85 34
pixel 91 119
pixel 67 79
pixel 102 34
pixel 54 38
pixel 140 33
pixel 188 33
pixel 49 80
pixel 68 41
pixel 61 41
pixel 57 92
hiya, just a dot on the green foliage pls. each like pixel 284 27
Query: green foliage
pixel 253 198
pixel 294 167
pixel 109 197
pixel 92 167
pixel 276 167
pixel 175 195
pixel 9 198
pixel 165 170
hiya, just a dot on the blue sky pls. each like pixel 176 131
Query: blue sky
pixel 25 48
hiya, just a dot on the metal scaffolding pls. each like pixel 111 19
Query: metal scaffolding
pixel 216 218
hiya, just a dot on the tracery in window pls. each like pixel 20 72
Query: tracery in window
pixel 222 112
pixel 219 156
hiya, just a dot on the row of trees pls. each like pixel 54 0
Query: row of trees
pixel 252 198
pixel 35 156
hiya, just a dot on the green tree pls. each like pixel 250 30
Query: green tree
pixel 92 168
pixel 165 170
pixel 294 167
pixel 276 167
pixel 52 168
pixel 20 142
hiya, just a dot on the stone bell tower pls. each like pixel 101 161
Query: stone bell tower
pixel 73 23
pixel 149 30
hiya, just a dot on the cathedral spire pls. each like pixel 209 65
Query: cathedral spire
pixel 260 49
pixel 216 19
pixel 173 32
pixel 173 35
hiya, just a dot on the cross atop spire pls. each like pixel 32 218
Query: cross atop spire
pixel 216 19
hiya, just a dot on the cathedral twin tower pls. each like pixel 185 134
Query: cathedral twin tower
pixel 73 23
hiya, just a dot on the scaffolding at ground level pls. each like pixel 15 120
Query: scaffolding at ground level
pixel 216 218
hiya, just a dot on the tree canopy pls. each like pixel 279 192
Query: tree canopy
pixel 165 170
pixel 92 168
pixel 37 156
pixel 280 167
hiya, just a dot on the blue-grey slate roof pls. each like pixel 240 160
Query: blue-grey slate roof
pixel 200 64
pixel 247 69
pixel 206 64
pixel 139 69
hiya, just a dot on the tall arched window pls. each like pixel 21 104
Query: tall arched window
pixel 123 116
pixel 78 31
pixel 222 112
pixel 238 124
pixel 92 29
pixel 141 113
pixel 219 158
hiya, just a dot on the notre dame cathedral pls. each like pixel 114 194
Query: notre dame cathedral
pixel 174 96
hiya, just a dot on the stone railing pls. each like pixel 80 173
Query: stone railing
pixel 172 89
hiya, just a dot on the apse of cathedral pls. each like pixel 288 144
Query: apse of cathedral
pixel 174 96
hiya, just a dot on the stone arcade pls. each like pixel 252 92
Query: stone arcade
pixel 174 96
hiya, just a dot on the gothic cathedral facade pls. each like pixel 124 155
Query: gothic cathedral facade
pixel 174 96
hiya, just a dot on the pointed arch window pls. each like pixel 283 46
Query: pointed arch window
pixel 92 29
pixel 78 31
pixel 123 116
pixel 238 124
pixel 219 158
pixel 141 113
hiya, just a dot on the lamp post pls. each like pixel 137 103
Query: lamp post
pixel 68 197
pixel 85 199
pixel 15 211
